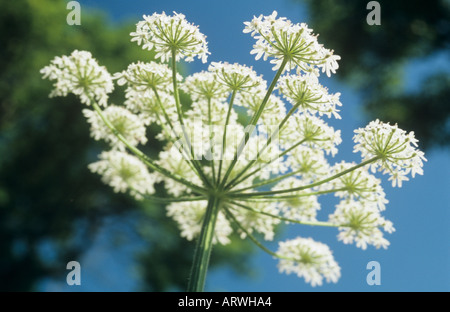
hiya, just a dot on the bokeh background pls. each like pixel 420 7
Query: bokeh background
pixel 53 210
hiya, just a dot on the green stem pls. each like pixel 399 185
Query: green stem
pixel 312 223
pixel 211 140
pixel 259 198
pixel 177 137
pixel 161 106
pixel 149 162
pixel 300 188
pixel 235 181
pixel 173 200
pixel 249 235
pixel 266 182
pixel 175 87
pixel 253 239
pixel 253 123
pixel 176 95
pixel 269 141
pixel 204 246
pixel 224 139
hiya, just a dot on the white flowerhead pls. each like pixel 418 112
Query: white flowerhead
pixel 309 164
pixel 149 106
pixel 124 172
pixel 147 77
pixel 306 93
pixel 359 185
pixel 130 126
pixel 308 259
pixel 361 222
pixel 237 77
pixel 171 34
pixel 214 112
pixel 204 86
pixel 189 217
pixel 174 161
pixel 301 205
pixel 282 40
pixel 273 113
pixel 260 223
pixel 148 93
pixel 313 131
pixel 81 75
pixel 396 150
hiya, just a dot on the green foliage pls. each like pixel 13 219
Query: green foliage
pixel 47 194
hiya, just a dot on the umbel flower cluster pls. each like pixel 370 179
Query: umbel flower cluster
pixel 225 175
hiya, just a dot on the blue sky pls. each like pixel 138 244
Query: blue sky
pixel 419 256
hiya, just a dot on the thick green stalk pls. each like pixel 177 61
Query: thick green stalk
pixel 204 246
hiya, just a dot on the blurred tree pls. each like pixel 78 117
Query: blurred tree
pixel 374 59
pixel 48 197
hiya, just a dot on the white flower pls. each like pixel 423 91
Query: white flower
pixel 165 34
pixel 302 206
pixel 309 163
pixel 236 76
pixel 124 172
pixel 149 92
pixel 215 110
pixel 130 126
pixel 315 133
pixel 308 259
pixel 204 86
pixel 358 184
pixel 173 160
pixel 282 40
pixel 309 95
pixel 260 223
pixel 269 158
pixel 81 75
pixel 396 150
pixel 189 216
pixel 149 106
pixel 331 64
pixel 273 113
pixel 147 76
pixel 362 221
